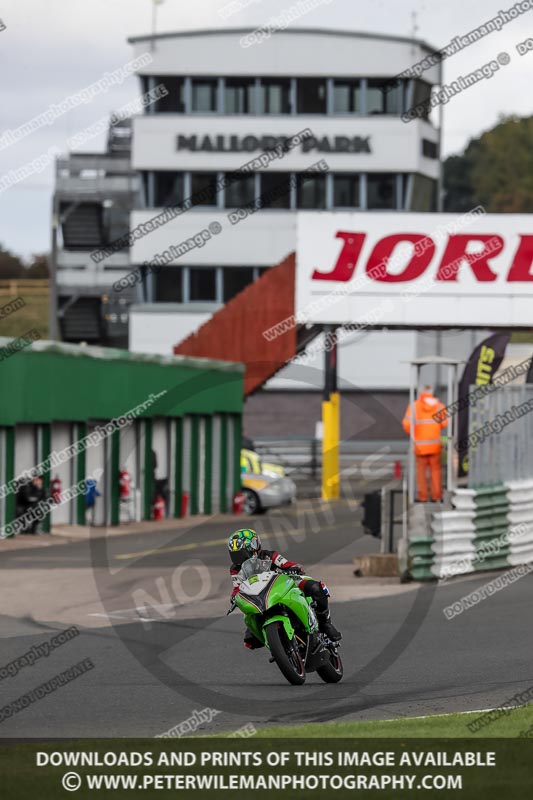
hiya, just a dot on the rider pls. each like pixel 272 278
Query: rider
pixel 244 544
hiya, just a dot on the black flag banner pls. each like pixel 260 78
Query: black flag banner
pixel 529 376
pixel 479 370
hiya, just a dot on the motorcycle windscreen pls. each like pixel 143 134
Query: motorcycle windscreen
pixel 256 589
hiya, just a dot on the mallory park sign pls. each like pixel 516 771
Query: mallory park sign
pixel 250 144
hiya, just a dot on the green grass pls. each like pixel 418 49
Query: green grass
pixel 33 315
pixel 453 726
pixel 21 779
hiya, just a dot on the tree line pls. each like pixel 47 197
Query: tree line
pixel 495 170
pixel 12 266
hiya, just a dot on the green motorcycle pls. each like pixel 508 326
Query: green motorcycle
pixel 278 613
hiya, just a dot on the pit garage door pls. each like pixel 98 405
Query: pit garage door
pixel 129 459
pixel 161 447
pixel 61 438
pixel 172 428
pixel 201 464
pixel 160 443
pixel 232 455
pixel 186 462
pixel 26 451
pixel 215 464
pixel 96 460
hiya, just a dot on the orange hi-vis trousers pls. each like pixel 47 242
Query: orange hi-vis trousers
pixel 432 463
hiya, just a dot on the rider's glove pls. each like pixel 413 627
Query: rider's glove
pixel 234 592
pixel 297 568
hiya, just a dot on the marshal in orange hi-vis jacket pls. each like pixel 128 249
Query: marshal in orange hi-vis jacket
pixel 427 443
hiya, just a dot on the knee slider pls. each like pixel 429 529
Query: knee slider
pixel 314 590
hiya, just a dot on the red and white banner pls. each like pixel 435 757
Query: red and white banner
pixel 390 268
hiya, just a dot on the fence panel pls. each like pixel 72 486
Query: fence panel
pixel 15 287
pixel 500 436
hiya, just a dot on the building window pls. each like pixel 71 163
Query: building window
pixel 239 96
pixel 169 285
pixel 203 188
pixel 405 178
pixel 204 96
pixel 202 284
pixel 274 97
pixel 145 190
pixel 347 97
pixel 430 149
pixel 424 194
pixel 422 95
pixel 312 192
pixel 381 191
pixel 311 96
pixel 235 280
pixel 382 98
pixel 168 188
pixel 240 191
pixel 173 101
pixel 346 191
pixel 115 222
pixel 276 189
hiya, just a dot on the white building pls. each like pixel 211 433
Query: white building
pixel 227 104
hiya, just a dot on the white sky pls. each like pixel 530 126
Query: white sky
pixel 53 48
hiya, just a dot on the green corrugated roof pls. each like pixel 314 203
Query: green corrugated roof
pixel 114 354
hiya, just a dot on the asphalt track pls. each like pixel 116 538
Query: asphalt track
pixel 158 658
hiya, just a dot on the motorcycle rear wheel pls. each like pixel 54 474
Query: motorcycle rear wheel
pixel 286 657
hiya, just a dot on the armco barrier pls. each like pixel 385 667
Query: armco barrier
pixel 488 528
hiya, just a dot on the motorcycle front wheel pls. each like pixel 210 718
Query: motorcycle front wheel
pixel 333 671
pixel 285 654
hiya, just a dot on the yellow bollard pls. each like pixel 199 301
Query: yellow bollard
pixel 326 450
pixel 330 448
pixel 334 444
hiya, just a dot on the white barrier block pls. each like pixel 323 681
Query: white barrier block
pixel 464 499
pixel 520 491
pixel 447 567
pixel 517 538
pixel 453 521
pixel 517 516
pixel 445 536
pixel 515 559
pixel 457 547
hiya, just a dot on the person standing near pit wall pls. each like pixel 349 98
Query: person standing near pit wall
pixel 427 443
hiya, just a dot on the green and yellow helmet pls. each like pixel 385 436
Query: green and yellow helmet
pixel 243 544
